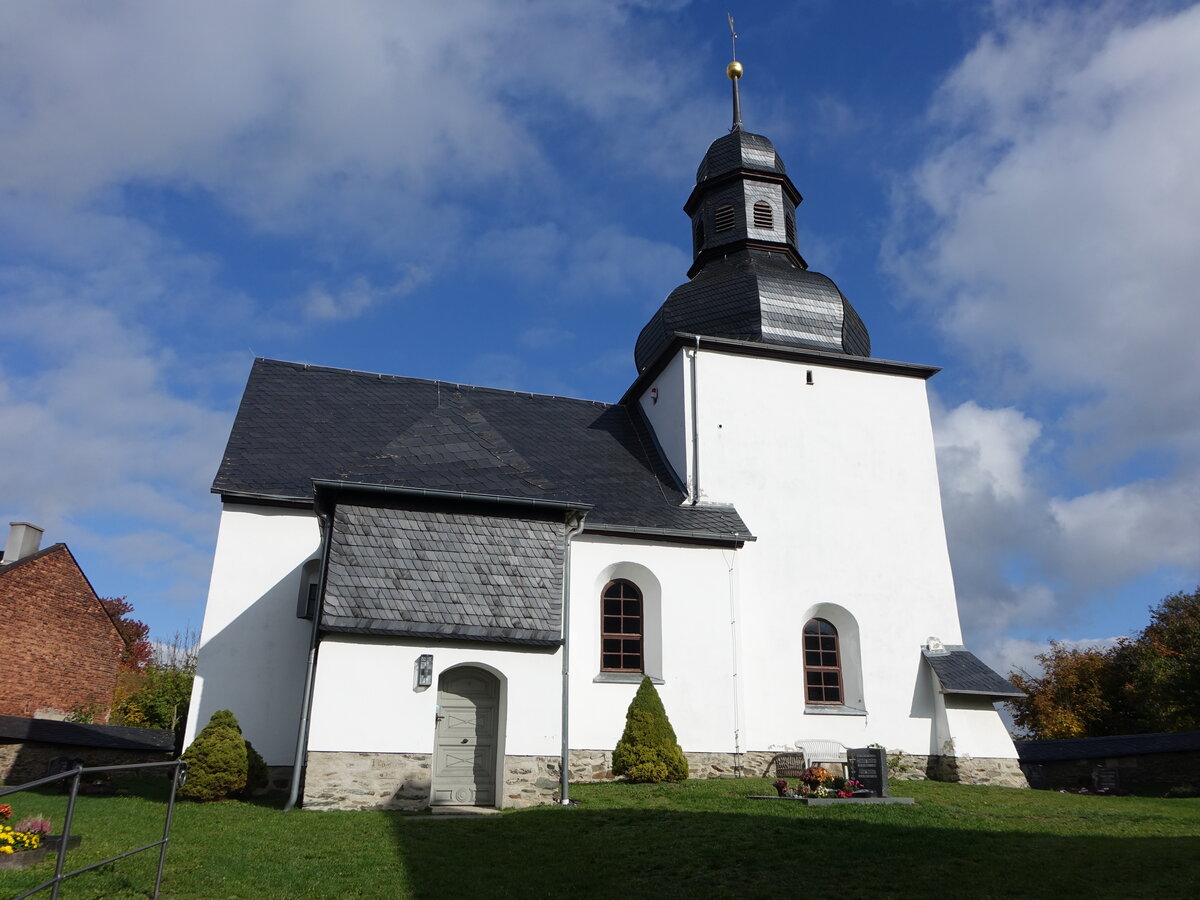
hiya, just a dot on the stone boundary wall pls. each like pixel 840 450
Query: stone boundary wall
pixel 1148 769
pixel 340 780
pixel 27 761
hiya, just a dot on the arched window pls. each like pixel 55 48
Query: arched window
pixel 822 663
pixel 621 623
pixel 763 218
pixel 723 218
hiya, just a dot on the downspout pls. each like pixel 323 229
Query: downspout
pixel 310 674
pixel 573 528
pixel 695 479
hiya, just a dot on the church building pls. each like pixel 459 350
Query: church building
pixel 435 593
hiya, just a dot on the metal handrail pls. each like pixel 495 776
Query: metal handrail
pixel 177 778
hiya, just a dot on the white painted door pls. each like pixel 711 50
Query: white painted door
pixel 464 761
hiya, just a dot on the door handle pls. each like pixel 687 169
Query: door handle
pixel 464 740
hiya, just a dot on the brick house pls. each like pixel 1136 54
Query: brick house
pixel 61 649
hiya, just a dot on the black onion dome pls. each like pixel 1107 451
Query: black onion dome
pixel 736 151
pixel 757 296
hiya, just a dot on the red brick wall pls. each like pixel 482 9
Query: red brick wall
pixel 58 648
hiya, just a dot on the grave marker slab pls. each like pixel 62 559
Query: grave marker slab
pixel 869 765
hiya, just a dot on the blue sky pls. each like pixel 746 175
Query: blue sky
pixel 491 193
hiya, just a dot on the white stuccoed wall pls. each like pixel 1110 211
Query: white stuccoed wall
pixel 838 481
pixel 364 700
pixel 689 640
pixel 253 648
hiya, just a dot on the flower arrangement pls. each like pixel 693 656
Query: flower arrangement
pixel 816 775
pixel 849 787
pixel 780 786
pixel 27 835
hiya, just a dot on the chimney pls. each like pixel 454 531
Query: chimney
pixel 23 539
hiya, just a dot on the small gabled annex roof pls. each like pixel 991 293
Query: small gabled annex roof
pixel 298 424
pixel 959 671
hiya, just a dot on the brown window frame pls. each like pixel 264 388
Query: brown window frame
pixel 830 695
pixel 628 660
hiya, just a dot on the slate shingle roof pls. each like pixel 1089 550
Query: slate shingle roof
pixel 962 672
pixel 299 423
pixel 756 296
pixel 420 573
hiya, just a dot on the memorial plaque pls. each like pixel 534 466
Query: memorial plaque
pixel 1106 778
pixel 869 765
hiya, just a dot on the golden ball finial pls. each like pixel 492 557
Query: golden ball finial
pixel 734 70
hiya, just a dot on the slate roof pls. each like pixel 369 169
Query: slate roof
pixel 962 672
pixel 422 573
pixel 1102 747
pixel 753 295
pixel 736 151
pixel 115 737
pixel 300 423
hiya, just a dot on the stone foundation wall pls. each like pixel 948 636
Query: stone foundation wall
pixel 21 762
pixel 961 769
pixel 596 765
pixel 403 780
pixel 334 780
pixel 530 781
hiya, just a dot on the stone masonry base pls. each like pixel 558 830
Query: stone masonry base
pixel 403 780
pixel 596 765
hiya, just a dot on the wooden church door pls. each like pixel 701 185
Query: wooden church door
pixel 464 761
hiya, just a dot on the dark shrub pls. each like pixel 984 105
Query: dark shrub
pixel 216 760
pixel 648 750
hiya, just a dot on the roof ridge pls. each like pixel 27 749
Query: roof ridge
pixel 432 381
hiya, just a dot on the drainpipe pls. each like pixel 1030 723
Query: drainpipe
pixel 695 479
pixel 574 527
pixel 310 674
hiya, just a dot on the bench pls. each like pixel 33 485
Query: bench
pixel 822 753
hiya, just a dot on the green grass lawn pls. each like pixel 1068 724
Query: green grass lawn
pixel 698 839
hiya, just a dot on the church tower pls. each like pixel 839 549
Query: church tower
pixel 757 379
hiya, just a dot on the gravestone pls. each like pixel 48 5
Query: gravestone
pixel 1106 778
pixel 869 765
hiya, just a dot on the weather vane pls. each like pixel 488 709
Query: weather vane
pixel 734 71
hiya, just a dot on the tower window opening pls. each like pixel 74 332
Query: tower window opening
pixel 763 217
pixel 723 218
pixel 789 225
pixel 698 235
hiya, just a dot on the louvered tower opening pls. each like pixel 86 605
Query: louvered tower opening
pixel 763 218
pixel 723 218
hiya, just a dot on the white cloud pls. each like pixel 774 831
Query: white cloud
pixel 1064 214
pixel 1051 235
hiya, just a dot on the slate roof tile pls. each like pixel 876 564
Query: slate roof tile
pixel 962 672
pixel 497 578
pixel 297 423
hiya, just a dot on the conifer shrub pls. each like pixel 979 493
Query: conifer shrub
pixel 219 760
pixel 648 751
